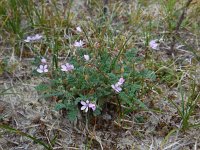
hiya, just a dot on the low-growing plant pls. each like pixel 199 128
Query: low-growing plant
pixel 7 67
pixel 187 106
pixel 12 17
pixel 91 78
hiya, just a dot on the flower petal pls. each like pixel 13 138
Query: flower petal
pixel 41 67
pixel 118 89
pixel 86 109
pixel 86 57
pixel 43 60
pixel 63 68
pixel 78 44
pixel 27 40
pixel 113 86
pixel 83 103
pixel 93 106
pixel 78 29
pixel 83 107
pixel 45 66
pixel 154 44
pixel 121 81
pixel 39 70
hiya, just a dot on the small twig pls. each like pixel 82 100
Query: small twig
pixel 182 17
pixel 49 141
pixel 58 148
pixel 97 138
pixel 72 148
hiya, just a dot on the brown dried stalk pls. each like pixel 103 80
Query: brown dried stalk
pixel 182 17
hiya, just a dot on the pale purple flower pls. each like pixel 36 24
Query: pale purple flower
pixel 28 39
pixel 43 60
pixel 87 105
pixel 121 81
pixel 67 67
pixel 92 106
pixel 87 57
pixel 78 29
pixel 79 44
pixel 116 87
pixel 42 69
pixel 154 44
pixel 36 37
pixel 33 38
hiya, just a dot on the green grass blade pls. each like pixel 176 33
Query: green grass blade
pixel 26 135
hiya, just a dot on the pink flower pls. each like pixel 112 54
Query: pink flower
pixel 154 44
pixel 42 69
pixel 86 57
pixel 78 44
pixel 36 37
pixel 87 105
pixel 28 39
pixel 33 38
pixel 121 81
pixel 117 86
pixel 78 29
pixel 67 67
pixel 43 60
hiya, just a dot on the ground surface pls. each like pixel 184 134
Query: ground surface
pixel 158 128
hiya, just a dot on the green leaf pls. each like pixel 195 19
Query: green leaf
pixel 148 74
pixel 133 89
pixel 131 55
pixel 51 94
pixel 113 78
pixel 140 103
pixel 80 98
pixel 59 106
pixel 72 114
pixel 97 112
pixel 42 87
pixel 125 99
